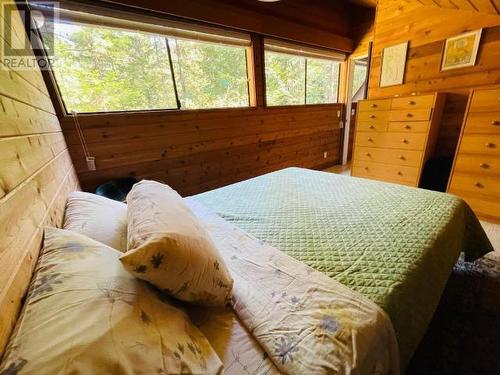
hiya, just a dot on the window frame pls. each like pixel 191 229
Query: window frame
pixel 178 29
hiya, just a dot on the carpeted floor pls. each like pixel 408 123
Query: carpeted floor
pixel 464 336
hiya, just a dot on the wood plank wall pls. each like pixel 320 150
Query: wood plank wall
pixel 427 28
pixel 195 151
pixel 322 23
pixel 36 175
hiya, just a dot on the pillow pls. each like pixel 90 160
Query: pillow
pixel 85 314
pixel 99 218
pixel 168 247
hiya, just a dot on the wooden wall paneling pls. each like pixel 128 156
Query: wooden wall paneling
pixel 317 22
pixel 194 147
pixel 427 28
pixel 36 175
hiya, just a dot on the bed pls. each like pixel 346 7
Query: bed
pixel 331 273
pixel 393 244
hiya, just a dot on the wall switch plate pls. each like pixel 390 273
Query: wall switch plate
pixel 90 163
pixel 325 154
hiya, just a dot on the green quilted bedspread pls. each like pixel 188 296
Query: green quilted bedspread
pixel 393 244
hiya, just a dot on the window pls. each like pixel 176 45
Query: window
pixel 104 64
pixel 209 75
pixel 102 70
pixel 297 76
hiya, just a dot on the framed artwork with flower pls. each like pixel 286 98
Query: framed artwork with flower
pixel 461 51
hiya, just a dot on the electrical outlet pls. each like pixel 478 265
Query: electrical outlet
pixel 325 154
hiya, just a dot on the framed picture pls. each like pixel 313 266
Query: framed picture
pixel 461 51
pixel 393 65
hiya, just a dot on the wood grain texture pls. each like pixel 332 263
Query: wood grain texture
pixel 476 169
pixel 427 28
pixel 194 151
pixel 390 132
pixel 481 6
pixel 320 23
pixel 36 175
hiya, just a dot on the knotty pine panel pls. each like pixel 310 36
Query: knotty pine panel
pixel 426 28
pixel 197 150
pixel 36 176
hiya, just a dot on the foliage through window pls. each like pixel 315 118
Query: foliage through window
pixel 102 69
pixel 295 79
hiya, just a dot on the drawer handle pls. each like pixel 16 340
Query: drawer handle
pixel 373 116
pixel 484 165
pixel 409 115
pixel 374 105
pixel 366 168
pixel 407 127
pixel 495 123
pixel 411 102
pixel 372 127
pixel 370 140
pixel 402 157
pixel 405 141
pixel 368 154
pixel 400 173
pixel 490 145
pixel 479 185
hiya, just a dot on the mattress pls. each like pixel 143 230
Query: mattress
pixel 393 244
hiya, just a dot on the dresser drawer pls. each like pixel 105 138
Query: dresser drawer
pixel 372 126
pixel 483 122
pixel 386 172
pixel 375 105
pixel 374 116
pixel 484 208
pixel 410 115
pixel 485 101
pixel 485 165
pixel 487 144
pixel 414 141
pixel 389 156
pixel 481 187
pixel 409 126
pixel 414 102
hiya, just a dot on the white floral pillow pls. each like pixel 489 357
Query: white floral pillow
pixel 99 218
pixel 168 247
pixel 84 314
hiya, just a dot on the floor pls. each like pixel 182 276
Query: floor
pixel 463 337
pixel 340 169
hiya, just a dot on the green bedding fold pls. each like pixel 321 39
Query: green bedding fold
pixel 394 244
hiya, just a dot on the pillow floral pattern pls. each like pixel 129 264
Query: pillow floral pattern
pixel 168 247
pixel 85 314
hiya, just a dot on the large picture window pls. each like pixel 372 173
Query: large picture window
pixel 108 66
pixel 298 76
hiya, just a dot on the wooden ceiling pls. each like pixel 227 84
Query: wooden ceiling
pixel 482 6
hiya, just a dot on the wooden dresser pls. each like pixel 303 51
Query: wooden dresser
pixel 476 169
pixel 394 137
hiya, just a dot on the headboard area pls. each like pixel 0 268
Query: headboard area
pixel 36 175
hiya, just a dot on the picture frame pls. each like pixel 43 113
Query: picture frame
pixel 461 51
pixel 393 65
